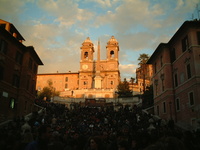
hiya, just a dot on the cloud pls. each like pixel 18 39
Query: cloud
pixel 127 20
pixel 137 14
pixel 8 5
pixel 67 13
pixel 10 10
pixel 128 70
pixel 58 54
pixel 131 14
pixel 133 21
pixel 180 4
pixel 60 60
pixel 143 25
pixel 133 41
pixel 61 26
pixel 103 3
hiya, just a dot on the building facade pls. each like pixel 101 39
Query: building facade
pixel 95 79
pixel 18 70
pixel 176 76
pixel 143 77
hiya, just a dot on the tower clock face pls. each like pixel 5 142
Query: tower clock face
pixel 84 66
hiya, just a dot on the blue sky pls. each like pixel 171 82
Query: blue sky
pixel 57 28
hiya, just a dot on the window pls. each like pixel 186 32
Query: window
pixel 198 38
pixel 163 86
pixel 28 82
pixel 16 80
pixel 3 46
pixel 12 103
pixel 156 86
pixel 185 44
pixel 164 107
pixel 1 73
pixel 66 79
pixel 155 67
pixel 177 104
pixel 18 57
pixel 188 71
pixel 85 83
pixel 191 98
pixel 175 80
pixel 161 61
pixel 162 81
pixel 66 85
pixel 157 109
pixel 173 55
pixel 182 77
pixel 86 55
pixel 111 54
pixel 111 82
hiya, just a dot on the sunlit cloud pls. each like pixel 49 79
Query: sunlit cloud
pixel 128 70
pixel 57 28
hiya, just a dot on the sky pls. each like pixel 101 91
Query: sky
pixel 57 28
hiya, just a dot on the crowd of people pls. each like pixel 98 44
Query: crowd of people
pixel 94 128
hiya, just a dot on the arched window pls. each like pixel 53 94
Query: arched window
pixel 112 54
pixel 86 55
pixel 111 82
pixel 12 103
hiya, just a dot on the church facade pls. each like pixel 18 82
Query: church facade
pixel 95 79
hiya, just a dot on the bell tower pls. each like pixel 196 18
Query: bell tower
pixel 86 65
pixel 113 75
pixel 112 49
pixel 87 51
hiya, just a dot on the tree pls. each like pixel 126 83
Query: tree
pixel 132 81
pixel 143 58
pixel 48 91
pixel 147 97
pixel 123 89
pixel 142 62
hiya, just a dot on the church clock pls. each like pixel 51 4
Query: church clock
pixel 84 66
